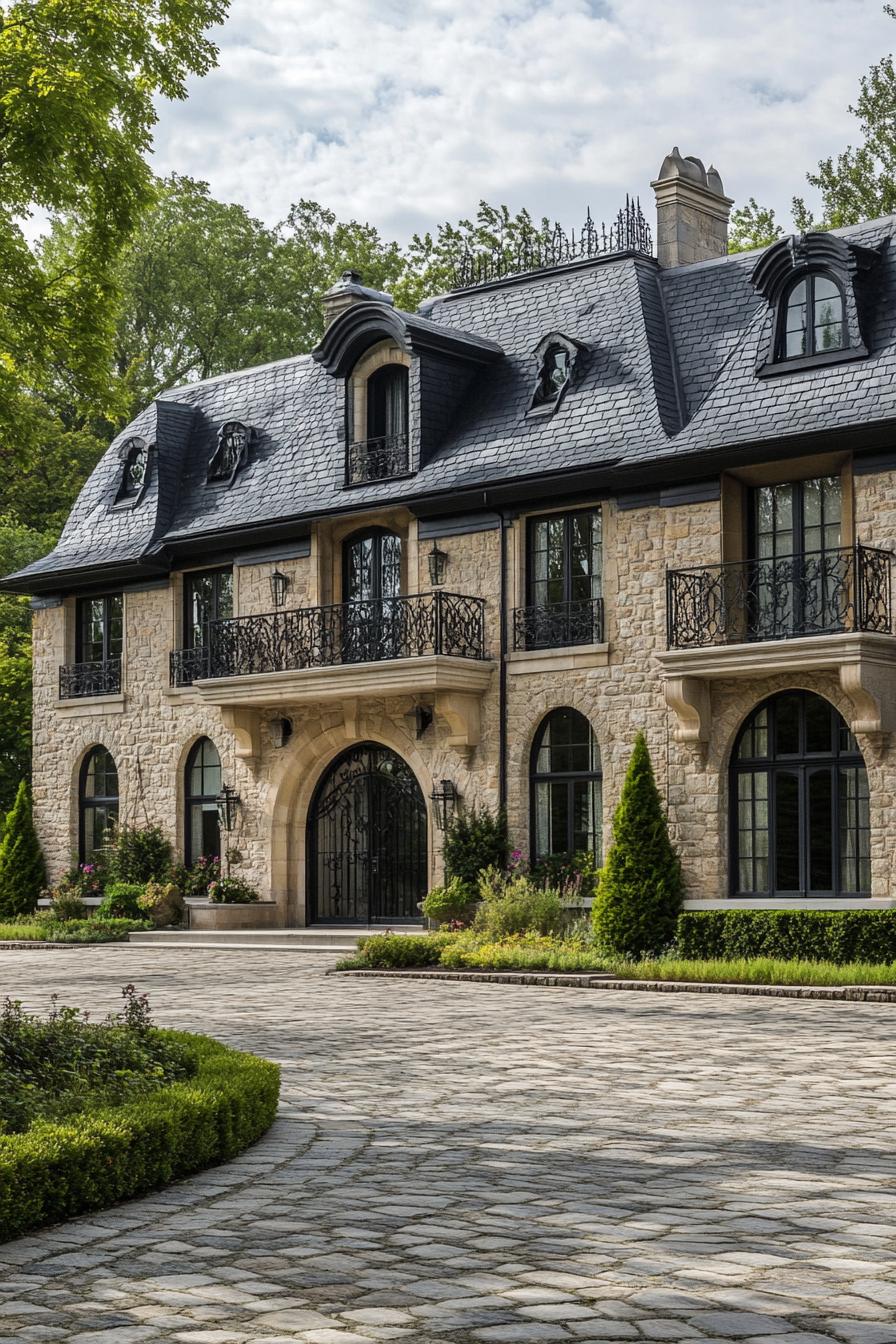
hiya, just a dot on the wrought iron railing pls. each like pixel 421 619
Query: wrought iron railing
pixel 377 459
pixel 77 680
pixel 533 248
pixel 188 665
pixel 350 632
pixel 558 624
pixel 818 593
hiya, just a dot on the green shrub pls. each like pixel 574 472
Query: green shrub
pixel 194 881
pixel 232 891
pixel 121 901
pixel 838 936
pixel 85 880
pixel 513 903
pixel 400 949
pixel 454 901
pixel 22 869
pixel 475 840
pixel 640 887
pixel 139 855
pixel 161 902
pixel 65 906
pixel 56 1171
pixel 574 876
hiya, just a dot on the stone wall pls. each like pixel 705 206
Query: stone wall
pixel 150 728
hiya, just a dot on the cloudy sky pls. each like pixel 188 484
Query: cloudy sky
pixel 406 112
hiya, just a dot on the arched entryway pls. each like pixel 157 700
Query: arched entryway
pixel 799 802
pixel 367 840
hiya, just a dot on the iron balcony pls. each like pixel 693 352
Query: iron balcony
pixel 558 625
pixel 337 635
pixel 783 597
pixel 77 680
pixel 378 459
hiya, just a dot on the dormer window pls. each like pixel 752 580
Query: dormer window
pixel 817 302
pixel 232 451
pixel 555 360
pixel 387 403
pixel 377 411
pixel 134 457
pixel 813 319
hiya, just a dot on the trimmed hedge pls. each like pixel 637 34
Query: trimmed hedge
pixel 401 949
pixel 839 936
pixel 55 1171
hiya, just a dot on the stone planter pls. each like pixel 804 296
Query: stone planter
pixel 257 915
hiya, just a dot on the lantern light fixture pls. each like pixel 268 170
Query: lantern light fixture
pixel 228 801
pixel 279 585
pixel 438 563
pixel 444 798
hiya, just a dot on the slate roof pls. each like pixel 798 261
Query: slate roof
pixel 668 379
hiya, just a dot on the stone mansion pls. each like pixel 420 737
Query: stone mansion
pixel 459 557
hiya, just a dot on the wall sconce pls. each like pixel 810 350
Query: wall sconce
pixel 281 731
pixel 228 801
pixel 421 716
pixel 444 799
pixel 279 585
pixel 438 563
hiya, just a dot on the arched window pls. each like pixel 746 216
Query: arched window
pixel 97 802
pixel 135 465
pixel 799 802
pixel 202 832
pixel 565 786
pixel 812 317
pixel 231 452
pixel 553 375
pixel 387 403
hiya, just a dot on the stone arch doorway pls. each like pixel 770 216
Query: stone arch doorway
pixel 367 840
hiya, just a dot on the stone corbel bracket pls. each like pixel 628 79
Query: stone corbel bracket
pixel 688 698
pixel 461 711
pixel 245 724
pixel 871 687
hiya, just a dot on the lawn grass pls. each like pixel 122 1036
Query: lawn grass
pixel 70 930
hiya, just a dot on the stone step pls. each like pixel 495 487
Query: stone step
pixel 318 938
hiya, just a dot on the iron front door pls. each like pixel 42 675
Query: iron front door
pixel 368 840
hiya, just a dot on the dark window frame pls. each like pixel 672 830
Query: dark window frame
pixel 812 354
pixel 189 579
pixel 90 803
pixel 201 800
pixel 376 534
pixel 568 777
pixel 804 765
pixel 532 523
pixel 108 652
pixel 128 496
pixel 376 387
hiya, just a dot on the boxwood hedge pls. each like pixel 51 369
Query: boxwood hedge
pixel 839 936
pixel 55 1171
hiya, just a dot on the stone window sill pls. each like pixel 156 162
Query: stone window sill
pixel 91 704
pixel 567 659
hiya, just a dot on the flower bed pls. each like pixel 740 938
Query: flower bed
pixel 95 1114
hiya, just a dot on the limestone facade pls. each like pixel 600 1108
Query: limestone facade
pixel 619 686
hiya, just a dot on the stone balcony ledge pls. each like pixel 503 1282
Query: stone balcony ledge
pixel 864 661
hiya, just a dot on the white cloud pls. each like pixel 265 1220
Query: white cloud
pixel 406 112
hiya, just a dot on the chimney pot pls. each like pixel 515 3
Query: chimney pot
pixel 692 211
pixel 347 291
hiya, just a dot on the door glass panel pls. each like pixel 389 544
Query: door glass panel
pixel 787 832
pixel 787 725
pixel 819 721
pixel 855 830
pixel 820 830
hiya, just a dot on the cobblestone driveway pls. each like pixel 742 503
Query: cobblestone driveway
pixel 458 1162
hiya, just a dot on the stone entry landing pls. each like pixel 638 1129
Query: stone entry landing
pixel 476 1164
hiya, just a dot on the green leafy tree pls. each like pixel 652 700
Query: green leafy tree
pixel 22 870
pixel 19 545
pixel 860 183
pixel 79 80
pixel 433 261
pixel 640 888
pixel 752 226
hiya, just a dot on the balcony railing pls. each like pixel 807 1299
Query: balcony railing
pixel 77 680
pixel 818 593
pixel 351 632
pixel 188 665
pixel 376 459
pixel 558 624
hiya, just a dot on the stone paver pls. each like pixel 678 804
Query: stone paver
pixel 459 1163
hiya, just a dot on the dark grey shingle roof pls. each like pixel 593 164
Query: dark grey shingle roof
pixel 669 373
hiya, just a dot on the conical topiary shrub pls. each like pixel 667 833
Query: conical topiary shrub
pixel 640 887
pixel 22 871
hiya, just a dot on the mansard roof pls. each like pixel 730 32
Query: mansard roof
pixel 665 390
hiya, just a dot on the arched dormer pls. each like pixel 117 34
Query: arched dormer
pixel 231 451
pixel 134 458
pixel 440 363
pixel 815 303
pixel 555 361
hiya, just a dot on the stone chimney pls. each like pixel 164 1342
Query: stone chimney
pixel 691 212
pixel 347 291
